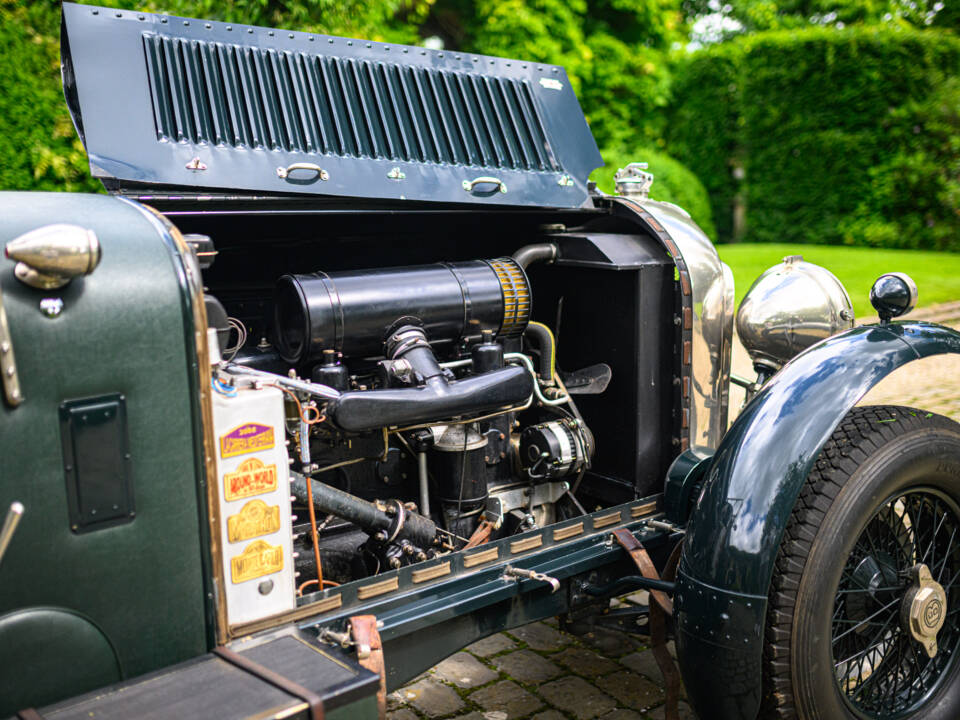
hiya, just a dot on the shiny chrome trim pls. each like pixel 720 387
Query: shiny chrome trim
pixel 9 526
pixel 8 364
pixel 709 285
pixel 50 256
pixel 790 307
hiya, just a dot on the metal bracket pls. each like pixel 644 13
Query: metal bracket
pixel 8 364
pixel 512 573
pixel 664 525
pixel 366 636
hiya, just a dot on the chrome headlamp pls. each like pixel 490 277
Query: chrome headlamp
pixel 789 308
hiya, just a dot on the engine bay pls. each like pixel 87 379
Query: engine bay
pixel 429 407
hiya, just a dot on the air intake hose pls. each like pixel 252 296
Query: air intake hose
pixel 437 399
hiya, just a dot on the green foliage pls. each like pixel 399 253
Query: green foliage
pixel 382 20
pixel 915 193
pixel 613 51
pixel 763 15
pixel 844 136
pixel 673 182
pixel 704 129
pixel 38 147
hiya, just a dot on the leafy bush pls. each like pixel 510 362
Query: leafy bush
pixel 844 136
pixel 673 182
pixel 38 148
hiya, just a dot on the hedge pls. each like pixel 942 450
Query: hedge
pixel 843 136
pixel 39 149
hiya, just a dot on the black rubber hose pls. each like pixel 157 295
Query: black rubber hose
pixel 437 400
pixel 540 252
pixel 543 338
pixel 368 516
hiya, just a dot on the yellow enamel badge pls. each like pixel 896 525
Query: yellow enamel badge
pixel 246 438
pixel 254 519
pixel 258 559
pixel 251 478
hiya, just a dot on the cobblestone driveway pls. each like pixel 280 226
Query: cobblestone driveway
pixel 539 672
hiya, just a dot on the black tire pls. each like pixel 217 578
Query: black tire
pixel 832 649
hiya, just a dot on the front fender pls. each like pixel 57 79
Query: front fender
pixel 751 487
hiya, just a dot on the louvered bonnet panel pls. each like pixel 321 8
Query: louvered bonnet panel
pixel 203 106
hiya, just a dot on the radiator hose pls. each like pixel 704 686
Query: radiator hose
pixel 437 398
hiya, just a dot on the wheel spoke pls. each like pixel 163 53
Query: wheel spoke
pixel 933 536
pixel 952 580
pixel 873 646
pixel 879 667
pixel 888 605
pixel 950 551
pixel 892 588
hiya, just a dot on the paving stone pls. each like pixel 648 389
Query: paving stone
pixel 686 712
pixel 541 637
pixel 645 663
pixel 432 698
pixel 464 670
pixel 632 690
pixel 576 696
pixel 402 714
pixel 609 643
pixel 549 715
pixel 621 714
pixel 492 645
pixel 526 666
pixel 508 697
pixel 471 716
pixel 585 662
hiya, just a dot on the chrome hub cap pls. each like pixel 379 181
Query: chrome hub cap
pixel 924 609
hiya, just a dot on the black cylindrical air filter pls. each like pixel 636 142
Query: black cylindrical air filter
pixel 353 311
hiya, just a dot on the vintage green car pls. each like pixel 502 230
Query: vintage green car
pixel 353 366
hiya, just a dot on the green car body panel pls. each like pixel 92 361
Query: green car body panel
pixel 141 583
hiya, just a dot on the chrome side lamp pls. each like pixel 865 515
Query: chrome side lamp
pixel 51 256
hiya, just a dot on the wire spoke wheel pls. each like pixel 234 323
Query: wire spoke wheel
pixel 863 615
pixel 881 669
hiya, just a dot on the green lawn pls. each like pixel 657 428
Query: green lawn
pixel 937 274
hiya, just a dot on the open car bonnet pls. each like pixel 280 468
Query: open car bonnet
pixel 180 105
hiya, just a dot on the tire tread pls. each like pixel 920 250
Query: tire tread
pixel 862 432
